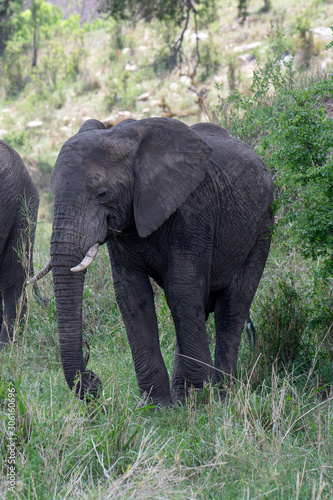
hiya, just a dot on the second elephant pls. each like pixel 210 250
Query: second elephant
pixel 19 202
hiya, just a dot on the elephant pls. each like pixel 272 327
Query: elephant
pixel 186 206
pixel 19 202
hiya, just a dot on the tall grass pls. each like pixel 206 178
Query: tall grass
pixel 272 438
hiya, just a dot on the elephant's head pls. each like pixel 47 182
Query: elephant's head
pixel 104 182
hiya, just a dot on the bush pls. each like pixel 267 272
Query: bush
pixel 285 121
pixel 16 139
pixel 14 69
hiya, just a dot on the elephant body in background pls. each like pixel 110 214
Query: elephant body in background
pixel 186 206
pixel 19 202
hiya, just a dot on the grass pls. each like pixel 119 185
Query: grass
pixel 271 439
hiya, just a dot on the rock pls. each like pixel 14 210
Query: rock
pixel 246 58
pixel 326 63
pixel 144 97
pixel 329 108
pixel 246 47
pixel 124 114
pixel 35 124
pixel 322 32
pixel 186 80
pixel 201 36
pixel 112 120
pixel 130 67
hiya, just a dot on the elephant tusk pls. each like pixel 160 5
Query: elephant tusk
pixel 114 230
pixel 87 260
pixel 40 273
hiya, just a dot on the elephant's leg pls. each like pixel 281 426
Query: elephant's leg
pixel 12 285
pixel 136 303
pixel 11 306
pixel 193 364
pixel 177 377
pixel 1 310
pixel 230 316
pixel 232 308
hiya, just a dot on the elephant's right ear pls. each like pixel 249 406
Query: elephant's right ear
pixel 91 124
pixel 170 163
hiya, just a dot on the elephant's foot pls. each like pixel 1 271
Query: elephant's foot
pixel 5 338
pixel 155 401
pixel 178 391
pixel 88 385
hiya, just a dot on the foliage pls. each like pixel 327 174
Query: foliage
pixel 122 90
pixel 41 13
pixel 242 10
pixel 15 139
pixel 282 326
pixel 172 14
pixel 8 11
pixel 58 62
pixel 210 59
pixel 174 11
pixel 285 119
pixel 14 69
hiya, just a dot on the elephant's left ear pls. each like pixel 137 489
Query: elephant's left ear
pixel 91 124
pixel 170 163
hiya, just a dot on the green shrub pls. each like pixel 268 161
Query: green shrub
pixel 285 120
pixel 123 89
pixel 283 322
pixel 14 69
pixel 210 59
pixel 16 139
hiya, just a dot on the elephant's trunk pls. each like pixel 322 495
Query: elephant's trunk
pixel 68 287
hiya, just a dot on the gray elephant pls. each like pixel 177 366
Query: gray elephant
pixel 186 206
pixel 19 202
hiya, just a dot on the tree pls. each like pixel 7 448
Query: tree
pixel 8 10
pixel 163 10
pixel 178 12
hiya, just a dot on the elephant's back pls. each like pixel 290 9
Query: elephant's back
pixel 233 155
pixel 237 161
pixel 13 172
pixel 16 183
pixel 10 160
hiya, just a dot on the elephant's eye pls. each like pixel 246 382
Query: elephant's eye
pixel 102 195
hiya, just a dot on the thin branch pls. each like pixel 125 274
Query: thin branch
pixel 175 47
pixel 196 44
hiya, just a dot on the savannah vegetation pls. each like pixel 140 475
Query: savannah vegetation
pixel 273 437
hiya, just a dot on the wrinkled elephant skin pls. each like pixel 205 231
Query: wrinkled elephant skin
pixel 186 206
pixel 19 202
